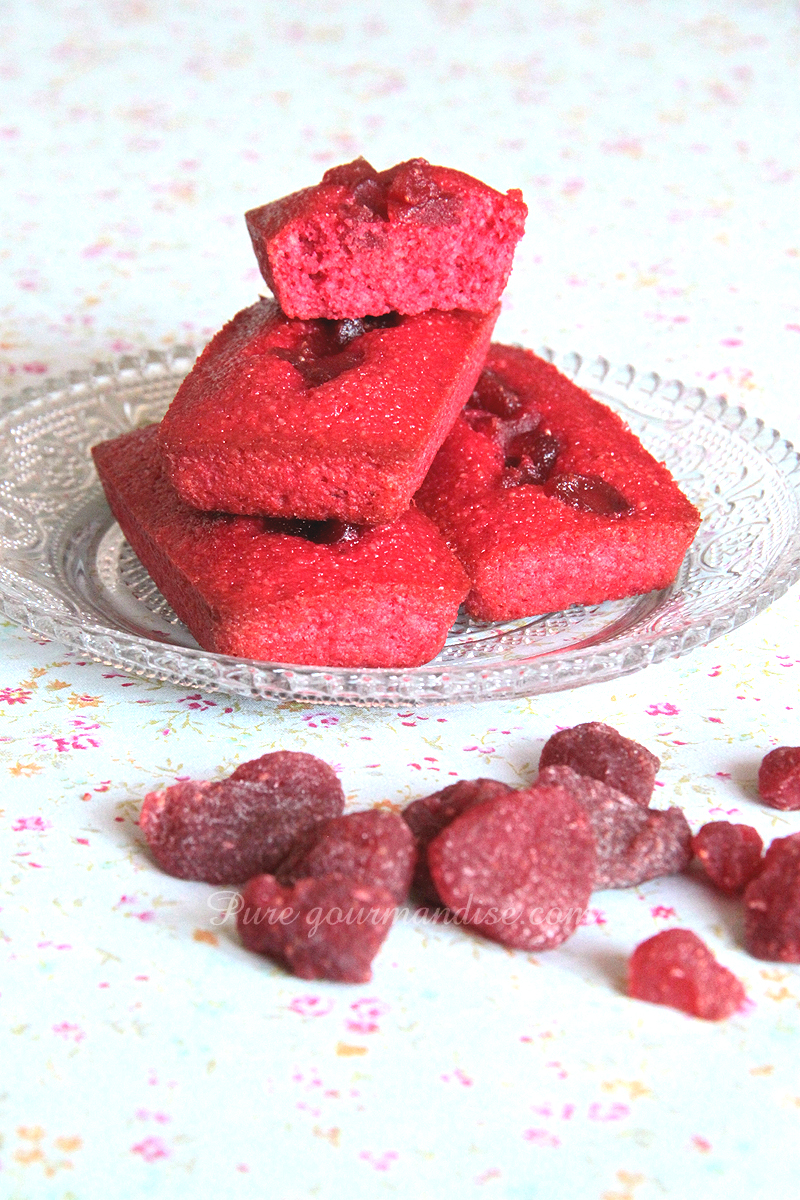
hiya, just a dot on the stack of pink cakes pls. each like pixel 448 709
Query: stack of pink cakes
pixel 348 462
pixel 273 506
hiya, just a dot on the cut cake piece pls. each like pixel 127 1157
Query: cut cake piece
pixel 408 239
pixel 320 419
pixel 285 591
pixel 548 499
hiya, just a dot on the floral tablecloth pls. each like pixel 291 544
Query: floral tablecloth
pixel 144 1052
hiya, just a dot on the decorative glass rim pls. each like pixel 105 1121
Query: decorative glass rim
pixel 747 553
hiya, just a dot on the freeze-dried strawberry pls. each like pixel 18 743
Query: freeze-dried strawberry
pixel 427 817
pixel 328 928
pixel 289 770
pixel 785 849
pixel 676 968
pixel 634 843
pixel 518 869
pixel 772 904
pixel 604 753
pixel 779 778
pixel 730 854
pixel 372 847
pixel 228 831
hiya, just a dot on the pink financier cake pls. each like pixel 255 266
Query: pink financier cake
pixel 285 591
pixel 548 499
pixel 320 419
pixel 408 239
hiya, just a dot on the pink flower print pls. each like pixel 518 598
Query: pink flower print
pixel 611 1112
pixel 79 739
pixel 36 823
pixel 662 710
pixel 144 915
pixel 662 910
pixel 314 720
pixel 460 1077
pixel 151 1149
pixel 381 1162
pixel 367 1011
pixel 197 701
pixel 70 1033
pixel 541 1137
pixel 593 916
pixel 311 1006
pixel 14 696
pixel 485 1176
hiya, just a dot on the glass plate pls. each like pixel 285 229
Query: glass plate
pixel 67 573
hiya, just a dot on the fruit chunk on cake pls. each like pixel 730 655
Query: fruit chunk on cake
pixel 320 419
pixel 287 591
pixel 408 239
pixel 548 499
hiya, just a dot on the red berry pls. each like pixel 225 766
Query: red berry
pixel 603 753
pixel 677 969
pixel 518 869
pixel 634 843
pixel 371 847
pixel 730 854
pixel 228 831
pixel 772 904
pixel 329 928
pixel 779 778
pixel 428 817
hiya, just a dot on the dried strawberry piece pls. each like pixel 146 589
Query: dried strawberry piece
pixel 292 770
pixel 230 830
pixel 604 753
pixel 779 778
pixel 328 928
pixel 772 904
pixel 730 854
pixel 519 869
pixel 785 849
pixel 372 847
pixel 426 818
pixel 676 968
pixel 634 843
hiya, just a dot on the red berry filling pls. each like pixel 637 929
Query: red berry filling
pixel 590 494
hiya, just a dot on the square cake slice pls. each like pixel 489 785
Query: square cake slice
pixel 283 591
pixel 320 419
pixel 404 240
pixel 548 499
